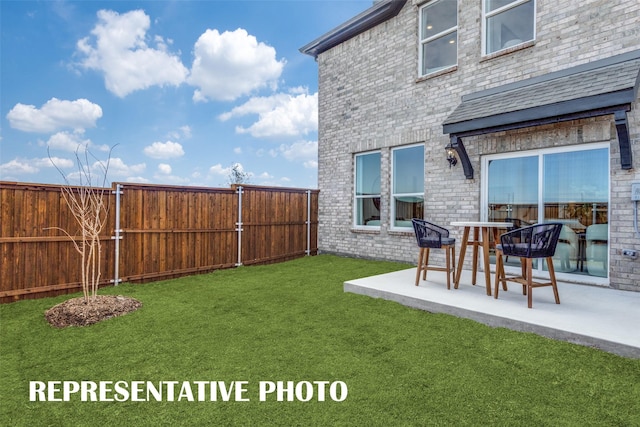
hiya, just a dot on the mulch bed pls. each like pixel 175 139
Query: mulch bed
pixel 75 312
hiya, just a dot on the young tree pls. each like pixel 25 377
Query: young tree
pixel 90 208
pixel 237 175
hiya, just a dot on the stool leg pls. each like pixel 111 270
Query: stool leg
pixel 420 254
pixel 552 276
pixel 426 263
pixel 499 274
pixel 523 267
pixel 529 280
pixel 448 256
pixel 453 264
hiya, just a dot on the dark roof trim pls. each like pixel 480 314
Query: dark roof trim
pixel 538 116
pixel 377 14
pixel 604 87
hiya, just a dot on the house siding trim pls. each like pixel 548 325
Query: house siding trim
pixel 375 15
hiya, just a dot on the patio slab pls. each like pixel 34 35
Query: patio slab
pixel 604 318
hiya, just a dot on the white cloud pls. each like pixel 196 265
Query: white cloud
pixel 67 141
pixel 54 115
pixel 268 179
pixel 138 180
pixel 164 168
pixel 186 131
pixel 237 150
pixel 119 168
pixel 164 150
pixel 311 164
pixel 279 115
pixel 302 150
pixel 58 162
pixel 32 166
pixel 299 90
pixel 18 167
pixel 219 170
pixel 229 65
pixel 117 48
pixel 171 179
pixel 182 132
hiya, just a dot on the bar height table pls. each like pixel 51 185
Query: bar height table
pixel 479 227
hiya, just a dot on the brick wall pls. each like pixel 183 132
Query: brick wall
pixel 371 98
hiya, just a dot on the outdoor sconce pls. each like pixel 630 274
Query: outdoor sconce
pixel 455 151
pixel 451 156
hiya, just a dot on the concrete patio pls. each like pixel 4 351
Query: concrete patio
pixel 603 318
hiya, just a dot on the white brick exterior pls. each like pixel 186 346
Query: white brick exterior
pixel 371 98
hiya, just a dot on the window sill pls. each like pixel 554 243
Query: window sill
pixel 365 230
pixel 400 232
pixel 437 73
pixel 508 51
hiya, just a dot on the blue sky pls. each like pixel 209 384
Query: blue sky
pixel 182 89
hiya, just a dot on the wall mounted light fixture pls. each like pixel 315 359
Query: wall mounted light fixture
pixel 459 153
pixel 451 156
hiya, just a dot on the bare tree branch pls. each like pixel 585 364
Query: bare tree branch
pixel 86 203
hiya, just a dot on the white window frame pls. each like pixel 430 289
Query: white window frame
pixel 484 196
pixel 422 42
pixel 487 15
pixel 356 197
pixel 393 195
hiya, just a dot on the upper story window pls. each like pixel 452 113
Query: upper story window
pixel 407 194
pixel 507 23
pixel 438 36
pixel 367 189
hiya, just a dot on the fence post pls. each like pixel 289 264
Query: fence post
pixel 117 237
pixel 239 226
pixel 308 251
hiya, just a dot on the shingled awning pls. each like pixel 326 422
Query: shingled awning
pixel 607 86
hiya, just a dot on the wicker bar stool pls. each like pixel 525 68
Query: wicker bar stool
pixel 431 236
pixel 537 241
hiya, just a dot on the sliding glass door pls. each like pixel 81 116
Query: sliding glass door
pixel 570 186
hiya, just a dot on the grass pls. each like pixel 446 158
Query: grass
pixel 293 322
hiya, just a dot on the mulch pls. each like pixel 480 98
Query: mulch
pixel 77 312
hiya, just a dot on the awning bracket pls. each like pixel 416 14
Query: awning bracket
pixel 458 146
pixel 622 128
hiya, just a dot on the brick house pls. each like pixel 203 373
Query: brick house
pixel 483 110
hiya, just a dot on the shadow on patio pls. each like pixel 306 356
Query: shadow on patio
pixel 604 318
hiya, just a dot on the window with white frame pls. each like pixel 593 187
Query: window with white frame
pixel 367 189
pixel 407 194
pixel 438 36
pixel 507 23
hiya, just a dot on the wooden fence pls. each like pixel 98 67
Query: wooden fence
pixel 153 232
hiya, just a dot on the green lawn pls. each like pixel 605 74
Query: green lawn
pixel 293 322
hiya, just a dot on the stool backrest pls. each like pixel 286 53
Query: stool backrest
pixel 428 235
pixel 534 241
